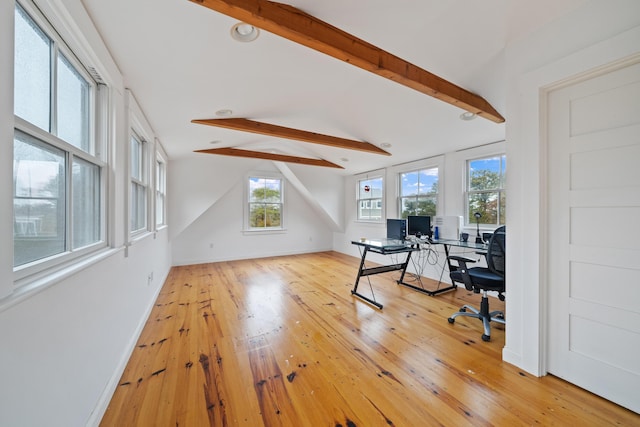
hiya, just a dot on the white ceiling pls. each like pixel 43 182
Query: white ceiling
pixel 180 62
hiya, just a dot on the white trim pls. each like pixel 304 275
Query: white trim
pixel 417 167
pixel 379 174
pixel 39 282
pixel 23 274
pixel 246 230
pixel 140 129
pixel 107 394
pixel 526 337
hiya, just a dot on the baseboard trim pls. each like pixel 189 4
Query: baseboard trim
pixel 110 388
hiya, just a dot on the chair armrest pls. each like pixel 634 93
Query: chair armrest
pixel 460 272
pixel 462 259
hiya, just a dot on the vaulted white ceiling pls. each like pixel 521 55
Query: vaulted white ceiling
pixel 180 62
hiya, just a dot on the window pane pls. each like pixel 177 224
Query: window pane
pixel 370 188
pixel 72 105
pixel 485 174
pixel 486 204
pixel 160 191
pixel 136 159
pixel 409 184
pixel 138 207
pixel 86 203
pixel 424 205
pixel 428 181
pixel 256 189
pixel 370 210
pixel 159 209
pixel 272 190
pixel 264 215
pixel 38 201
pixel 265 190
pixel 32 68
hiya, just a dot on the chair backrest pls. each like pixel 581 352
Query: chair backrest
pixel 496 251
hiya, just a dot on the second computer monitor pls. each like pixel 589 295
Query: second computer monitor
pixel 419 225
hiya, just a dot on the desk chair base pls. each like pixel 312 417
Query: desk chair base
pixel 482 314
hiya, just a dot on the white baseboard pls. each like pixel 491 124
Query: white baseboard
pixel 105 398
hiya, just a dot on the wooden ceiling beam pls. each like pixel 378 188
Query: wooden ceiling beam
pixel 236 152
pixel 289 133
pixel 300 27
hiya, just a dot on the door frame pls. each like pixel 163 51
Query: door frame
pixel 526 333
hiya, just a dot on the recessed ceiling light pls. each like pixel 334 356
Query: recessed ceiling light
pixel 385 145
pixel 244 32
pixel 344 159
pixel 224 112
pixel 214 142
pixel 467 115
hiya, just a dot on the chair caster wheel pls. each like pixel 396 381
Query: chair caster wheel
pixel 451 319
pixel 486 337
pixel 462 310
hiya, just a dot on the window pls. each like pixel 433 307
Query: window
pixel 138 184
pixel 486 190
pixel 265 203
pixel 370 191
pixel 161 191
pixel 419 192
pixel 57 169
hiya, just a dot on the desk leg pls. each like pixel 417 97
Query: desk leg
pixel 404 269
pixel 409 285
pixel 354 291
pixel 429 292
pixel 451 268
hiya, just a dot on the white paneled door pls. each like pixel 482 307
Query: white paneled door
pixel 593 241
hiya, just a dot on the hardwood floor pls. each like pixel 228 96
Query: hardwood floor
pixel 281 342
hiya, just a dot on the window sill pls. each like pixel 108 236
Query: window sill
pixel 139 236
pixel 250 232
pixel 33 284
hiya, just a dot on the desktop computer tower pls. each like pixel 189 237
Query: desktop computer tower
pixel 396 229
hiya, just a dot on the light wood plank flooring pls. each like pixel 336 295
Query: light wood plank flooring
pixel 281 342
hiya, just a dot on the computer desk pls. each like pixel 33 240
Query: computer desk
pixel 384 247
pixel 395 246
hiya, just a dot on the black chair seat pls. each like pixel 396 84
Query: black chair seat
pixel 485 278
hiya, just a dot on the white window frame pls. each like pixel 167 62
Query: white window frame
pixel 436 195
pixel 468 193
pixel 140 128
pixel 380 200
pixel 161 188
pixel 247 209
pixel 98 103
pixel 141 182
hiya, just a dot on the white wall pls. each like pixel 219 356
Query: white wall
pixel 65 339
pixel 64 348
pixel 596 34
pixel 217 234
pixel 199 181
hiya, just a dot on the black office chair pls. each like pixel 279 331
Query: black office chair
pixel 480 279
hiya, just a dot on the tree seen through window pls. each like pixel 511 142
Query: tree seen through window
pixel 486 190
pixel 265 203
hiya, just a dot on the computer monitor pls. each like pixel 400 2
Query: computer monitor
pixel 419 225
pixel 396 229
